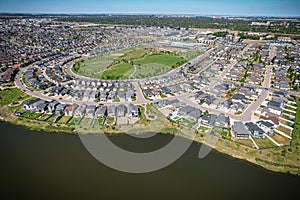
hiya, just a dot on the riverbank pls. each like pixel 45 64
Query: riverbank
pixel 283 159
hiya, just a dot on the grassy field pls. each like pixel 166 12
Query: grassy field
pixel 8 96
pixel 155 65
pixel 94 66
pixel 119 71
pixel 164 59
pixel 191 54
pixel 140 62
pixel 133 54
pixel 148 66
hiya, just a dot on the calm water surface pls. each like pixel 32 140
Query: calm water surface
pixel 37 165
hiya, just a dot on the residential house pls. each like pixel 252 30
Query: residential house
pixel 51 107
pixel 90 111
pixel 69 110
pixel 129 95
pixel 41 106
pixel 29 104
pixel 275 107
pixel 266 126
pixel 239 98
pixel 80 111
pixel 101 112
pixel 133 111
pixel 208 119
pixel 255 130
pixel 111 111
pixel 185 110
pixel 222 121
pixel 121 110
pixel 121 95
pixel 149 94
pixel 60 109
pixel 194 115
pixel 239 130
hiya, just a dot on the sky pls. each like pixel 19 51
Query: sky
pixel 200 7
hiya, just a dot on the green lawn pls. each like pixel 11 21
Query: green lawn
pixel 264 143
pixel 155 65
pixel 119 71
pixel 86 122
pixel 296 131
pixel 94 67
pixel 121 64
pixel 164 59
pixel 203 128
pixel 8 96
pixel 51 119
pixel 64 119
pixel 45 117
pixel 186 122
pixel 222 131
pixel 74 121
pixel 110 120
pixel 134 54
pixel 116 99
pixel 25 114
pixel 34 115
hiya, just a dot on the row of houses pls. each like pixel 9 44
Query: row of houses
pixel 75 110
pixel 256 74
pixel 56 75
pixel 35 78
pixel 256 130
pixel 179 110
pixel 275 106
pixel 170 90
pixel 237 71
pixel 163 81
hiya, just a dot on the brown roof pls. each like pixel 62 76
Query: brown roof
pixel 274 119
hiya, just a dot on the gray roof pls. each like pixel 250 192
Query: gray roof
pixel 209 118
pixel 265 123
pixel 238 96
pixel 240 128
pixel 121 110
pixel 196 113
pixel 222 119
pixel 185 110
pixel 101 111
pixel 253 127
pixel 273 103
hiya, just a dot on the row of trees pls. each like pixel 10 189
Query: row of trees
pixel 186 22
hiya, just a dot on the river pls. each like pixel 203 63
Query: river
pixel 38 165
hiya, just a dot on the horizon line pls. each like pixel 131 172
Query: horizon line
pixel 143 13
